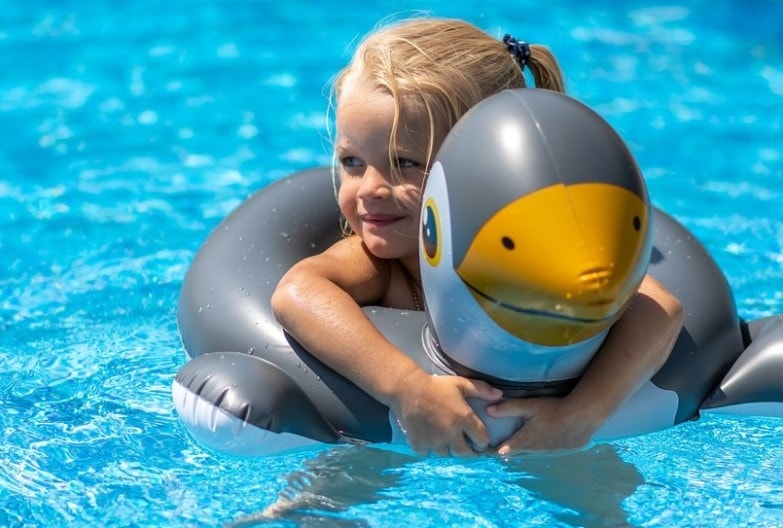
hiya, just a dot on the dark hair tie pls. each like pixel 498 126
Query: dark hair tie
pixel 519 49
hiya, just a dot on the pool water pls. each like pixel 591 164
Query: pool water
pixel 130 129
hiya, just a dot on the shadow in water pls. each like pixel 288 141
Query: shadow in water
pixel 331 483
pixel 588 488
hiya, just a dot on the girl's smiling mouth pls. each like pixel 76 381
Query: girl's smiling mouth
pixel 381 219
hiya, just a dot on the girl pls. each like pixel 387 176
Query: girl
pixel 406 86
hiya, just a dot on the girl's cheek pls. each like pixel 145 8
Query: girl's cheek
pixel 346 201
pixel 345 193
pixel 413 198
pixel 343 204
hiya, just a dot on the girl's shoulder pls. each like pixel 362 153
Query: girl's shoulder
pixel 352 251
pixel 372 280
pixel 351 265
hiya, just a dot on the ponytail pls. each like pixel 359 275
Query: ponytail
pixel 545 69
pixel 542 64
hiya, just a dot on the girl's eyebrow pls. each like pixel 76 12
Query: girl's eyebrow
pixel 410 146
pixel 340 144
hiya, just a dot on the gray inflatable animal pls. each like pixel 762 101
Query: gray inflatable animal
pixel 536 230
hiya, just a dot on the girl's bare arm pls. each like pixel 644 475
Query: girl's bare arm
pixel 635 348
pixel 318 302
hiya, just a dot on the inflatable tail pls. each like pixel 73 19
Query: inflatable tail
pixel 754 384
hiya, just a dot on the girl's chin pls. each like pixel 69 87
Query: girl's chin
pixel 386 250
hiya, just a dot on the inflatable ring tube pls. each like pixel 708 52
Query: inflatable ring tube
pixel 250 389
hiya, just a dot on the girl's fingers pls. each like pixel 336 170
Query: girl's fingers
pixel 480 389
pixel 476 435
pixel 512 407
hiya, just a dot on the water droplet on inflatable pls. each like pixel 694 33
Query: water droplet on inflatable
pixel 399 423
pixel 200 309
pixel 251 350
pixel 298 364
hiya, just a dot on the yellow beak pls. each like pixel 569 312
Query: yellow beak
pixel 559 265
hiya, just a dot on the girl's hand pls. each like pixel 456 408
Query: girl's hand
pixel 633 351
pixel 434 414
pixel 550 424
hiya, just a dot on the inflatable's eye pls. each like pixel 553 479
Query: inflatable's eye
pixel 637 223
pixel 430 232
pixel 508 243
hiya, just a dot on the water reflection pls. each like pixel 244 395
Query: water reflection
pixel 585 489
pixel 589 486
pixel 330 484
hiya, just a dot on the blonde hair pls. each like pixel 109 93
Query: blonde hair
pixel 440 68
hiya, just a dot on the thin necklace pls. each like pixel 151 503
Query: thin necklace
pixel 414 290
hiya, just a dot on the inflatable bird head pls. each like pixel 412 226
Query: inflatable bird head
pixel 535 235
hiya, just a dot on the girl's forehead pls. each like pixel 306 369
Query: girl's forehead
pixel 359 103
pixel 360 106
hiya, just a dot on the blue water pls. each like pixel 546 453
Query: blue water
pixel 130 129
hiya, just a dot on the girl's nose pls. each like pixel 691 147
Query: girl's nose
pixel 374 185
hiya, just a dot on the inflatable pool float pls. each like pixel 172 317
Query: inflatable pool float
pixel 250 389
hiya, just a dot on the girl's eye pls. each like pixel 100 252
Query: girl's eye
pixel 405 163
pixel 350 162
pixel 351 165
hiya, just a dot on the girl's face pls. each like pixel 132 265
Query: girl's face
pixel 381 208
